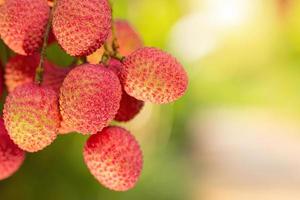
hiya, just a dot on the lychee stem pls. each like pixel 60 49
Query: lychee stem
pixel 106 54
pixel 40 69
pixel 119 57
pixel 115 44
pixel 6 54
pixel 114 52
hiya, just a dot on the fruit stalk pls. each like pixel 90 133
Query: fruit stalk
pixel 106 54
pixel 40 69
pixel 115 44
pixel 112 51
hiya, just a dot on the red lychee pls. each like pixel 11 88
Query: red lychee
pixel 129 106
pixel 89 98
pixel 11 156
pixel 23 23
pixel 54 76
pixel 81 26
pixel 21 69
pixel 128 40
pixel 114 158
pixel 155 76
pixel 31 116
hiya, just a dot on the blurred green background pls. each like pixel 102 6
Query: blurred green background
pixel 239 54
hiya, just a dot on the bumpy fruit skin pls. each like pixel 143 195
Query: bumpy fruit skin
pixel 114 158
pixel 31 116
pixel 89 98
pixel 21 69
pixel 11 156
pixel 81 26
pixel 129 106
pixel 23 23
pixel 155 76
pixel 128 40
pixel 54 76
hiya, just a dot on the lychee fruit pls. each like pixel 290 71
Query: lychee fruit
pixel 129 106
pixel 23 23
pixel 114 158
pixel 21 69
pixel 11 156
pixel 155 76
pixel 81 26
pixel 31 116
pixel 89 98
pixel 54 76
pixel 127 37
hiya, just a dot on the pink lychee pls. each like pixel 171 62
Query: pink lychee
pixel 114 158
pixel 23 23
pixel 155 76
pixel 21 69
pixel 89 98
pixel 81 26
pixel 11 156
pixel 129 106
pixel 31 116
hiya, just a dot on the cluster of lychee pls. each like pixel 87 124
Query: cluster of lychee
pixel 116 77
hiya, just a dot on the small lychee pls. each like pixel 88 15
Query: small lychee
pixel 127 37
pixel 129 106
pixel 11 156
pixel 21 69
pixel 54 76
pixel 114 158
pixel 31 116
pixel 89 98
pixel 23 23
pixel 81 26
pixel 155 76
